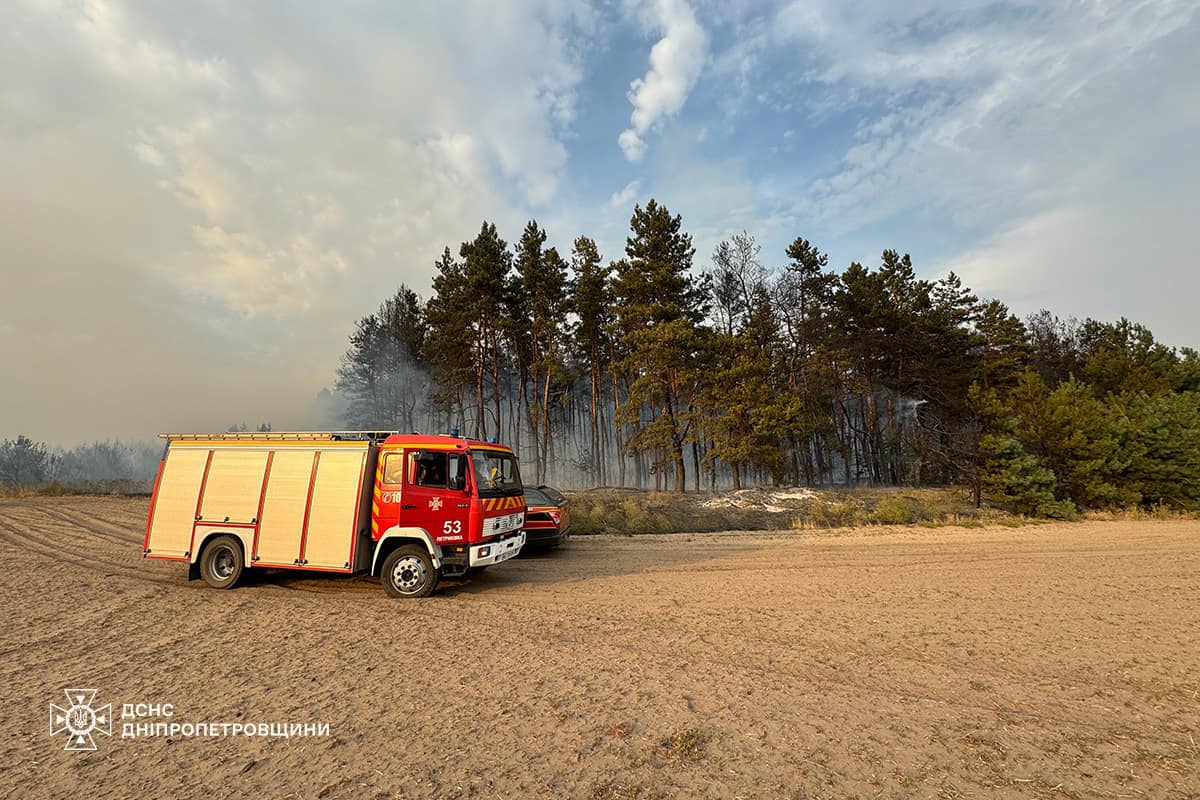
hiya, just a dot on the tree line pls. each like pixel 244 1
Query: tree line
pixel 110 466
pixel 646 372
pixel 101 466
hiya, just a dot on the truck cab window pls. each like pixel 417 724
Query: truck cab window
pixel 458 471
pixel 496 473
pixel 429 469
pixel 393 468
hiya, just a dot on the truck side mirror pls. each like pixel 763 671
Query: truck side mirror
pixel 459 483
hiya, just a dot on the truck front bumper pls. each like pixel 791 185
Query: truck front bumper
pixel 494 552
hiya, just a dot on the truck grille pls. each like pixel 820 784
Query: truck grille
pixel 504 524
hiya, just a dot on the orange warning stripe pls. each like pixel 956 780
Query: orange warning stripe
pixel 375 497
pixel 502 503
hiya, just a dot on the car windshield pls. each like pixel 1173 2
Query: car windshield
pixel 496 473
pixel 535 498
pixel 557 498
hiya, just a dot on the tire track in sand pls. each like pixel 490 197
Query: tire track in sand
pixel 29 541
pixel 90 526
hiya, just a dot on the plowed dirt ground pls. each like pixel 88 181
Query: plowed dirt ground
pixel 1058 661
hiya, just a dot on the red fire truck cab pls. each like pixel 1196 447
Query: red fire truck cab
pixel 463 494
pixel 406 507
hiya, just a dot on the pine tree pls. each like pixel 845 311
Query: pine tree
pixel 1124 356
pixel 1077 437
pixel 486 262
pixel 1164 443
pixel 803 298
pixel 659 307
pixel 589 287
pixel 748 414
pixel 526 315
pixel 1002 346
pixel 551 305
pixel 1008 475
pixel 452 342
pixel 806 290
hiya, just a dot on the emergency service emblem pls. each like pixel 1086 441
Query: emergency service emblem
pixel 435 503
pixel 80 719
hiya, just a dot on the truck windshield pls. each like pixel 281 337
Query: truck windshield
pixel 496 473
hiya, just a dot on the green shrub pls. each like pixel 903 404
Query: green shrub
pixel 895 510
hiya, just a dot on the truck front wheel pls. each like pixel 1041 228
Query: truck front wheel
pixel 221 563
pixel 408 572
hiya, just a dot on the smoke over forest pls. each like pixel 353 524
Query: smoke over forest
pixel 646 371
pixel 652 371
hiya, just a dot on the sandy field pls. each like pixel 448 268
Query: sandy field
pixel 1050 661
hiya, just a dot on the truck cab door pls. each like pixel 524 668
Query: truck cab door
pixel 432 498
pixel 389 494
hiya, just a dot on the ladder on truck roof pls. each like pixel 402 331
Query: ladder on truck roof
pixel 281 436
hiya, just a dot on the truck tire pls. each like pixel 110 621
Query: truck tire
pixel 408 572
pixel 222 562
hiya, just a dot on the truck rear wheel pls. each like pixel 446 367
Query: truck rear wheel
pixel 222 563
pixel 408 572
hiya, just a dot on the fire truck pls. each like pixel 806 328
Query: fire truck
pixel 408 508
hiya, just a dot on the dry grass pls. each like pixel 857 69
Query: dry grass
pixel 630 512
pixel 1158 511
pixel 624 790
pixel 683 747
pixel 122 488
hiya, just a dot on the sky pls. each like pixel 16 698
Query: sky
pixel 198 200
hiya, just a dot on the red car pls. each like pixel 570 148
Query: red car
pixel 547 518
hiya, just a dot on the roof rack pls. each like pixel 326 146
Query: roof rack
pixel 280 436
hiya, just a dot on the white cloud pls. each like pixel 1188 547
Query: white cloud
pixel 632 145
pixel 675 64
pixel 980 109
pixel 621 199
pixel 1097 260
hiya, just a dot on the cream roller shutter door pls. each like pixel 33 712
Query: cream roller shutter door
pixel 175 502
pixel 234 485
pixel 282 521
pixel 332 520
